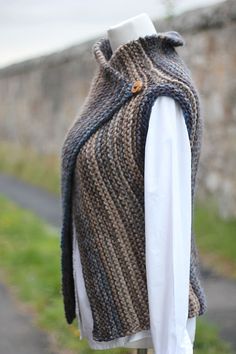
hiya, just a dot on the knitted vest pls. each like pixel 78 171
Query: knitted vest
pixel 102 181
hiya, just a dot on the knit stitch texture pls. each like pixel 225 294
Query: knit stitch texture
pixel 102 181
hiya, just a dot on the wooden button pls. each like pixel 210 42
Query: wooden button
pixel 137 86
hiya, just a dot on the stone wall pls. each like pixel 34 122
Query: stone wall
pixel 40 98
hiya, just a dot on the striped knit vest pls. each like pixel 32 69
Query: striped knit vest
pixel 102 181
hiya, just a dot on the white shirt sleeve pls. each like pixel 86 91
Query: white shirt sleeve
pixel 167 182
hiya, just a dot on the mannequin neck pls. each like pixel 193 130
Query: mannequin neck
pixel 131 29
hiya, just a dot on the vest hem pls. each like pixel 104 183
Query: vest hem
pixel 123 341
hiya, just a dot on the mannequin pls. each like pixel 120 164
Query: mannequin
pixel 118 35
pixel 135 27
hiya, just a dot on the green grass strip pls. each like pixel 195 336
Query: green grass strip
pixel 216 239
pixel 30 166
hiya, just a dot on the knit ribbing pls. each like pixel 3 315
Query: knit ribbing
pixel 102 181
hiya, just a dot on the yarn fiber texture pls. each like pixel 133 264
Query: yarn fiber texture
pixel 102 181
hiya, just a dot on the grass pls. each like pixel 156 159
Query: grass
pixel 30 166
pixel 30 261
pixel 208 341
pixel 216 239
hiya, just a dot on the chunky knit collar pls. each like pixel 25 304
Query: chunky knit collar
pixel 128 62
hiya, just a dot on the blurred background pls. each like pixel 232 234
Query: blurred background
pixel 46 67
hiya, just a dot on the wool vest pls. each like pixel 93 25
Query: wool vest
pixel 102 181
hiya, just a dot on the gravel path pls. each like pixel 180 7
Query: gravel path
pixel 18 334
pixel 220 292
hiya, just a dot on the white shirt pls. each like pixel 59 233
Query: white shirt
pixel 167 198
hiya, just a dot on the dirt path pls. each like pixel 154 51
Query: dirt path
pixel 221 292
pixel 18 334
